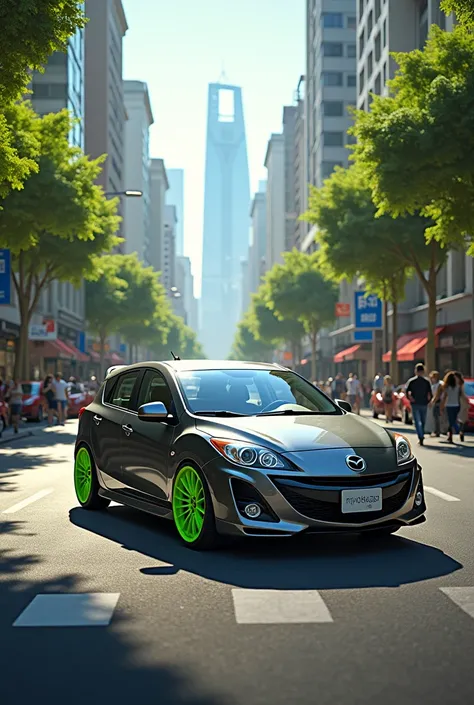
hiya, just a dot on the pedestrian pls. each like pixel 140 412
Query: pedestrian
pixel 419 394
pixel 464 411
pixel 451 401
pixel 49 394
pixel 353 392
pixel 15 399
pixel 435 403
pixel 338 387
pixel 378 382
pixel 61 397
pixel 387 396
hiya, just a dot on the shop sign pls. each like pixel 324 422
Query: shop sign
pixel 368 311
pixel 462 340
pixel 343 310
pixel 43 331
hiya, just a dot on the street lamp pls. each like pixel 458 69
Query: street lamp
pixel 126 194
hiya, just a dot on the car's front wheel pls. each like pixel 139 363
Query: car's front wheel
pixel 86 483
pixel 193 513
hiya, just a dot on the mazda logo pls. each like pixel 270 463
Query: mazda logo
pixel 356 463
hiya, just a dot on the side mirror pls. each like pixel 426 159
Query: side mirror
pixel 153 411
pixel 344 405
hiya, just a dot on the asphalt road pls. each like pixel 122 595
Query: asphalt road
pixel 326 622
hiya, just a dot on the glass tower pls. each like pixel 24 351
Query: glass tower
pixel 226 219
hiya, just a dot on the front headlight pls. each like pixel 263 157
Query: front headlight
pixel 403 449
pixel 249 455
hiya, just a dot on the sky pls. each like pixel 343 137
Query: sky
pixel 178 47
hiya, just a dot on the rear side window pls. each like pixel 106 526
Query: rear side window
pixel 110 385
pixel 123 390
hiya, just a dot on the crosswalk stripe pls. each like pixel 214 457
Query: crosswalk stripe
pixel 26 502
pixel 279 607
pixel 68 610
pixel 442 495
pixel 463 597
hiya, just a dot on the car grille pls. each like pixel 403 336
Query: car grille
pixel 320 498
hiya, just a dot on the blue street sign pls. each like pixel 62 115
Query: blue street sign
pixel 363 336
pixel 81 341
pixel 368 311
pixel 5 278
pixel 123 348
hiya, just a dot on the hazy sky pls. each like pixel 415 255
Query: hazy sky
pixel 180 46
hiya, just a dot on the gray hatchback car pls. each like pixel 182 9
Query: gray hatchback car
pixel 241 449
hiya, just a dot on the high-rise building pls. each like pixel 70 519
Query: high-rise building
pixel 290 118
pixel 136 225
pixel 158 190
pixel 226 218
pixel 275 200
pixel 169 251
pixel 258 214
pixel 175 197
pixel 301 177
pixel 185 285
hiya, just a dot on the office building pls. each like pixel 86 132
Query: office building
pixel 226 218
pixel 184 282
pixel 159 185
pixel 169 251
pixel 257 254
pixel 300 168
pixel 275 200
pixel 175 197
pixel 290 116
pixel 137 169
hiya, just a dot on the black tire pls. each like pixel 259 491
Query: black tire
pixel 40 416
pixel 208 539
pixel 93 502
pixel 374 414
pixel 2 425
pixel 407 418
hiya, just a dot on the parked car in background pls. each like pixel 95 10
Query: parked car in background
pixel 4 414
pixel 78 398
pixel 404 405
pixel 401 405
pixel 469 389
pixel 34 403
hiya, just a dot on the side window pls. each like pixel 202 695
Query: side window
pixel 155 388
pixel 123 390
pixel 110 386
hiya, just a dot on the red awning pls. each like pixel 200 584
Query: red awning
pixel 77 354
pixel 347 354
pixel 52 349
pixel 95 357
pixel 410 345
pixel 115 359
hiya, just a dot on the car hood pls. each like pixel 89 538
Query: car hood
pixel 300 433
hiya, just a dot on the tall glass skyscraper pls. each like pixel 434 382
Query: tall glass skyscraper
pixel 226 219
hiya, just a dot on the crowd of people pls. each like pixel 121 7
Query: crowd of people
pixel 354 391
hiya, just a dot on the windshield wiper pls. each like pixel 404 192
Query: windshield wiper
pixel 290 412
pixel 218 413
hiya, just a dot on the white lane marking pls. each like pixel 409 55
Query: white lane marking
pixel 442 495
pixel 463 597
pixel 83 610
pixel 29 500
pixel 279 607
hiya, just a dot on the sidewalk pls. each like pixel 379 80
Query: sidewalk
pixel 26 430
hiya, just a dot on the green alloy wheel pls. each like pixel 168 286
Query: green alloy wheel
pixel 86 483
pixel 192 509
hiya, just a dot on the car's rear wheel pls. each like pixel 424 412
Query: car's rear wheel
pixel 193 512
pixel 407 417
pixel 39 418
pixel 86 483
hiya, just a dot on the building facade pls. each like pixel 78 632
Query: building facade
pixel 175 197
pixel 137 225
pixel 258 249
pixel 275 201
pixel 185 285
pixel 300 167
pixel 159 185
pixel 290 117
pixel 226 218
pixel 169 251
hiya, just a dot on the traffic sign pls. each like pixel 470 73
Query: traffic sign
pixel 363 336
pixel 5 278
pixel 343 310
pixel 368 311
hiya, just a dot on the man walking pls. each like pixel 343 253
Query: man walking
pixel 419 394
pixel 61 395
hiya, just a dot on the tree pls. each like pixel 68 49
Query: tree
pixel 31 31
pixel 298 290
pixel 271 329
pixel 247 347
pixel 414 145
pixel 384 250
pixel 463 9
pixel 19 146
pixel 57 224
pixel 180 340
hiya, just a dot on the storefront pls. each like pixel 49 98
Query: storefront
pixel 354 359
pixel 454 348
pixel 9 334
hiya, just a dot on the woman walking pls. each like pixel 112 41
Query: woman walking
pixel 464 404
pixel 451 401
pixel 16 403
pixel 387 396
pixel 48 391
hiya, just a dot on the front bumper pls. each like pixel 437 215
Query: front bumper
pixel 295 502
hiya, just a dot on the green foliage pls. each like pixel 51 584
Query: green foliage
pixel 180 339
pixel 270 329
pixel 19 146
pixel 463 9
pixel 31 30
pixel 414 146
pixel 247 347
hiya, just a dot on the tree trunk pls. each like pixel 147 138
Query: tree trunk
pixel 393 355
pixel 386 344
pixel 22 357
pixel 314 336
pixel 430 358
pixel 102 342
pixel 293 355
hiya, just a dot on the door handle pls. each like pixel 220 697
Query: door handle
pixel 97 419
pixel 128 430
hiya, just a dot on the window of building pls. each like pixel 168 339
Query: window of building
pixel 378 9
pixel 370 65
pixel 384 34
pixel 361 80
pixel 370 24
pixel 333 139
pixel 361 43
pixel 385 74
pixel 332 78
pixel 351 80
pixel 351 139
pixel 332 20
pixel 351 51
pixel 378 85
pixel 361 8
pixel 378 47
pixel 332 49
pixel 352 22
pixel 327 168
pixel 333 108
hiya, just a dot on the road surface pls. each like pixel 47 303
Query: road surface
pixel 326 622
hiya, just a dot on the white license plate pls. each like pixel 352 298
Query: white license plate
pixel 369 500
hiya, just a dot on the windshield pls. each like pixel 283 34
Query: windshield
pixel 31 388
pixel 469 389
pixel 252 392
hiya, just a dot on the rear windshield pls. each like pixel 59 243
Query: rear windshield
pixel 30 388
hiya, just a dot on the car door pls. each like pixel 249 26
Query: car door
pixel 106 427
pixel 146 444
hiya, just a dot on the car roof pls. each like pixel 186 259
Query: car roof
pixel 195 365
